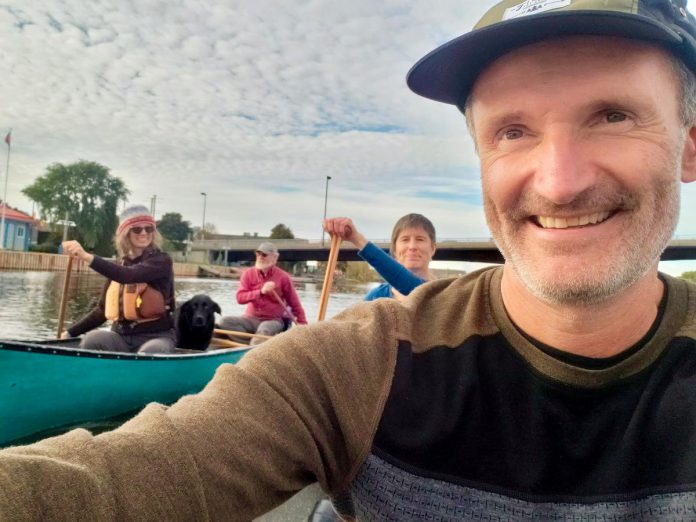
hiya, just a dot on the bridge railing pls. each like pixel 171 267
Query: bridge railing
pixel 283 244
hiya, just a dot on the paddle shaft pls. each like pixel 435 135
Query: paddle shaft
pixel 328 276
pixel 240 334
pixel 281 302
pixel 64 296
pixel 226 343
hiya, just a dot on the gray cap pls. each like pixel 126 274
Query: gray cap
pixel 448 73
pixel 267 248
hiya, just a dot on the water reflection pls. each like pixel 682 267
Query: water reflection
pixel 29 301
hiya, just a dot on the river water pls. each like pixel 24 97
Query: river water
pixel 30 301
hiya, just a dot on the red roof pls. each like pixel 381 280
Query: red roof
pixel 16 215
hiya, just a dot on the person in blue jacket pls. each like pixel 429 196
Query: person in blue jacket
pixel 412 247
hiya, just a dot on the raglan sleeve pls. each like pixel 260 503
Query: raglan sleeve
pixel 303 407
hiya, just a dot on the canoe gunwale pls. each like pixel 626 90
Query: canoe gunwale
pixel 52 347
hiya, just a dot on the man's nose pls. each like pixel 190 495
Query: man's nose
pixel 564 168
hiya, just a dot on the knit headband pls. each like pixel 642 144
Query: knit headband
pixel 135 215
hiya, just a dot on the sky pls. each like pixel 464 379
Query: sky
pixel 254 102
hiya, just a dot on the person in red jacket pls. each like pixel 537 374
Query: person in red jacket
pixel 270 297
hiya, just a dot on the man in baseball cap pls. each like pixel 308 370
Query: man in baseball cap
pixel 270 298
pixel 559 386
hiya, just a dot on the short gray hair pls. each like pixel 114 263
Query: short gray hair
pixel 687 86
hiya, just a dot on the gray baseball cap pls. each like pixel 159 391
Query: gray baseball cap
pixel 448 73
pixel 267 248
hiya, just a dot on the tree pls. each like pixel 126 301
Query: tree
pixel 175 229
pixel 209 230
pixel 689 276
pixel 280 231
pixel 204 233
pixel 88 194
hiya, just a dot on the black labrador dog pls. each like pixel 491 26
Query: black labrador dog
pixel 195 321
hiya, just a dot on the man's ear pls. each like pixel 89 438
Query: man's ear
pixel 689 157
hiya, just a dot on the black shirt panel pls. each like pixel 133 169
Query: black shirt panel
pixel 480 414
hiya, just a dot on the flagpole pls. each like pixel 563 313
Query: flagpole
pixel 8 140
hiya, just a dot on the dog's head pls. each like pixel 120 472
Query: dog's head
pixel 200 310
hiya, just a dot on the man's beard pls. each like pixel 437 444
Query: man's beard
pixel 263 265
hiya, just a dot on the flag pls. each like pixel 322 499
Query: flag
pixel 8 138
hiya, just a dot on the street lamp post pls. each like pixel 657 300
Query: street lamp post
pixel 326 198
pixel 205 198
pixel 66 225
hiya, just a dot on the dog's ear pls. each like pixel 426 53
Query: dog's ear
pixel 216 307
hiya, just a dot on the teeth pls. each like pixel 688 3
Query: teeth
pixel 576 221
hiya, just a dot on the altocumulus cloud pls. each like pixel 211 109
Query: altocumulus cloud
pixel 254 102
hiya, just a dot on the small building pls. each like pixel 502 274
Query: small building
pixel 20 229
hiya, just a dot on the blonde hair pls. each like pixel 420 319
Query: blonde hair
pixel 124 246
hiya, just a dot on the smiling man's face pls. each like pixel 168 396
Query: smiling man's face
pixel 581 148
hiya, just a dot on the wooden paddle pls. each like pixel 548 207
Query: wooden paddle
pixel 282 303
pixel 226 343
pixel 240 334
pixel 328 276
pixel 64 297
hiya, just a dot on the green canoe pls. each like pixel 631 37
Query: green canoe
pixel 48 386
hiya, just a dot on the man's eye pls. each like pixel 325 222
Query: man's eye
pixel 512 134
pixel 615 117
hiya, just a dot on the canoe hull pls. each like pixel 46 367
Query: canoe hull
pixel 46 386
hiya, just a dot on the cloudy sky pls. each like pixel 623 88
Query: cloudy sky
pixel 254 102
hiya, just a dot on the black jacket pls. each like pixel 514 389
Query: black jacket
pixel 153 267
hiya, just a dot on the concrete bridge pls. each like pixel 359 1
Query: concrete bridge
pixel 229 251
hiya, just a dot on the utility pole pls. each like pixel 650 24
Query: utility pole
pixel 8 140
pixel 66 225
pixel 205 197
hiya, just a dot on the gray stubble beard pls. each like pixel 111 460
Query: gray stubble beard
pixel 639 255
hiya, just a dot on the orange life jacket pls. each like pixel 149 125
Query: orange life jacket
pixel 136 302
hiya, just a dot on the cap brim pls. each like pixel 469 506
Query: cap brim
pixel 448 73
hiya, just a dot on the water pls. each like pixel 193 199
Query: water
pixel 30 301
